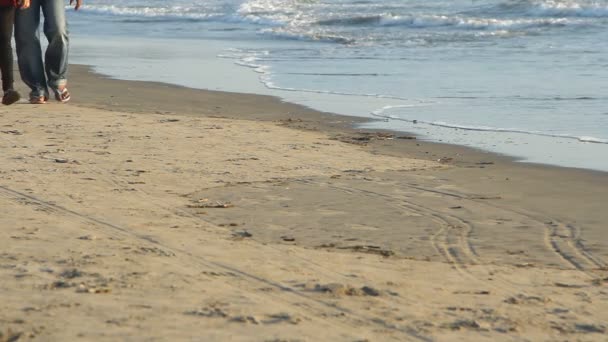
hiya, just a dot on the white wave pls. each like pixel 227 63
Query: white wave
pixel 266 80
pixel 380 113
pixel 483 28
pixel 305 35
pixel 430 21
pixel 593 140
pixel 176 13
pixel 566 8
pixel 280 12
pixel 253 60
pixel 293 21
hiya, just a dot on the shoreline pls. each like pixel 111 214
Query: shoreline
pixel 315 119
pixel 221 74
pixel 147 211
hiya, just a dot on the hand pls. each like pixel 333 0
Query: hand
pixel 77 2
pixel 23 4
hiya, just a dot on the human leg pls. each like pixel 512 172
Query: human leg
pixel 56 32
pixel 7 16
pixel 29 51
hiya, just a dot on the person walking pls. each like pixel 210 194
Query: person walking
pixel 51 72
pixel 7 20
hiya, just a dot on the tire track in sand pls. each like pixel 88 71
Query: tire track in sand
pixel 452 240
pixel 288 295
pixel 563 239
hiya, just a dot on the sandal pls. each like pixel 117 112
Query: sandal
pixel 62 95
pixel 38 99
pixel 10 96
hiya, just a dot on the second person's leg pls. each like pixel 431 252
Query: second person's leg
pixel 56 58
pixel 29 52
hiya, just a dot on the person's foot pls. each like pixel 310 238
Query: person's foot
pixel 62 95
pixel 38 99
pixel 10 96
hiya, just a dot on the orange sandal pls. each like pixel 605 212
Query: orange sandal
pixel 38 99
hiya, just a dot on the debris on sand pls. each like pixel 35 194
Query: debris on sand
pixel 363 138
pixel 207 312
pixel 337 289
pixel 59 285
pixel 245 319
pixel 523 299
pixel 205 203
pixel 83 288
pixel 241 235
pixel 463 324
pixel 71 274
pixel 590 328
pixel 599 282
pixel 282 318
pixel 10 336
pixel 370 249
pixel 578 328
pixel 13 132
pixel 570 286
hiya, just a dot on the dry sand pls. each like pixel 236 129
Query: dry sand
pixel 149 212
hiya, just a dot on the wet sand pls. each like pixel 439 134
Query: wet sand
pixel 143 211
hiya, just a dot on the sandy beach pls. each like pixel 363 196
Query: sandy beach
pixel 148 212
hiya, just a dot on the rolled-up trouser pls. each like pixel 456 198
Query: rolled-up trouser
pixel 35 72
pixel 7 16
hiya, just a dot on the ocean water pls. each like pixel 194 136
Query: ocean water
pixel 527 78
